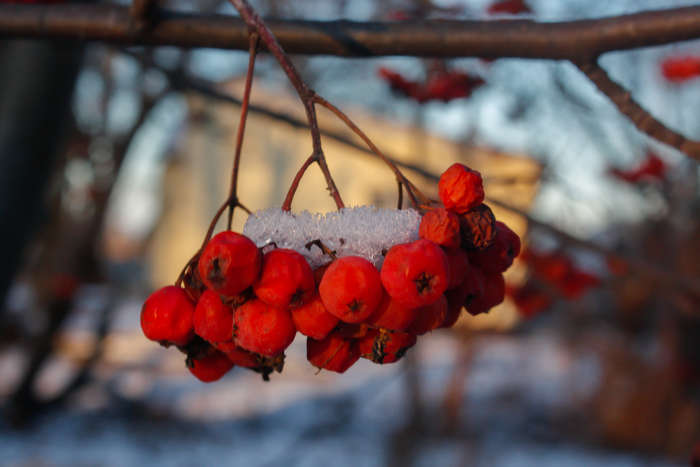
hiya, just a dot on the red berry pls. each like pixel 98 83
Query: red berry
pixel 262 328
pixel 494 292
pixel 529 299
pixel 385 347
pixel 351 289
pixel 512 7
pixel 313 320
pixel 237 355
pixel 473 287
pixel 193 285
pixel 458 263
pixel 286 279
pixel 681 68
pixel 415 274
pixel 455 302
pixel 229 263
pixel 210 367
pixel 213 321
pixel 391 315
pixel 460 188
pixel 440 226
pixel 500 255
pixel 166 316
pixel 332 353
pixel 429 317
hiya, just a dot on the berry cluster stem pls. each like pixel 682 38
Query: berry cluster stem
pixel 233 191
pixel 417 198
pixel 306 94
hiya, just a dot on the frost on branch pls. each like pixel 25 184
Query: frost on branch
pixel 364 231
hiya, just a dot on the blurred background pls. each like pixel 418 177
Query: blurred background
pixel 113 160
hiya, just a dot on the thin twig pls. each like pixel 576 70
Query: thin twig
pixel 207 237
pixel 233 191
pixel 410 187
pixel 295 183
pixel 399 202
pixel 305 93
pixel 642 119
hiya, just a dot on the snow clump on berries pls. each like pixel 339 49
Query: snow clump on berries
pixel 363 231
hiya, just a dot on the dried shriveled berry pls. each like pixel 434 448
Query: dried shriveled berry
pixel 494 292
pixel 460 188
pixel 209 367
pixel 213 321
pixel 500 255
pixel 166 316
pixel 458 262
pixel 351 289
pixel 351 330
pixel 313 320
pixel 440 226
pixel 384 346
pixel 415 274
pixel 478 228
pixel 332 353
pixel 238 355
pixel 229 263
pixel 262 328
pixel 429 317
pixel 391 315
pixel 286 279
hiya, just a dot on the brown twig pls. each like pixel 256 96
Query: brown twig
pixel 578 39
pixel 233 191
pixel 642 119
pixel 417 198
pixel 305 93
pixel 208 89
pixel 295 183
pixel 141 12
pixel 207 237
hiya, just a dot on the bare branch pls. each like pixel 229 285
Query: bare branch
pixel 642 119
pixel 576 40
pixel 141 12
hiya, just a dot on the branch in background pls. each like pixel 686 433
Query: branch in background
pixel 642 119
pixel 574 40
pixel 670 279
pixel 141 12
pixel 207 89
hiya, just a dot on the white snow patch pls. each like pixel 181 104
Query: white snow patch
pixel 360 231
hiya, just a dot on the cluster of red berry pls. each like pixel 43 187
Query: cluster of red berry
pixel 441 85
pixel 242 305
pixel 651 168
pixel 553 273
pixel 509 7
pixel 679 69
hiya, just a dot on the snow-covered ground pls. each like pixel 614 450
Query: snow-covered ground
pixel 153 413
